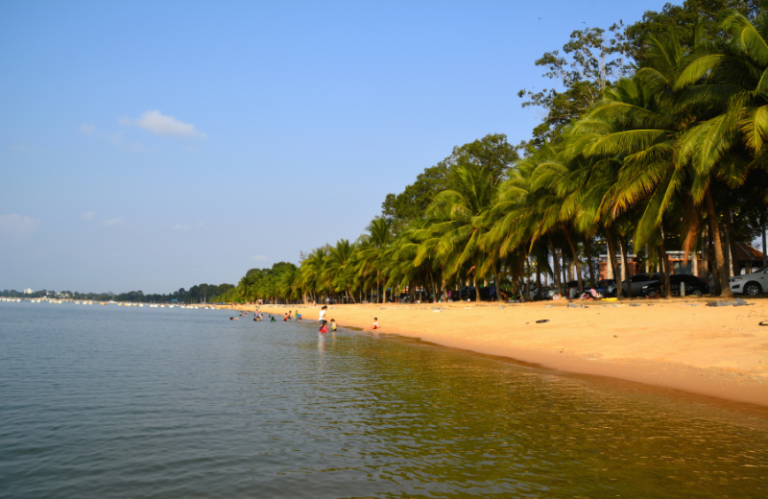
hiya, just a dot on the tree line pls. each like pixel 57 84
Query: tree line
pixel 200 293
pixel 655 138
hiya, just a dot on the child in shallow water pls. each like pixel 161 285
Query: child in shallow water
pixel 333 325
pixel 375 324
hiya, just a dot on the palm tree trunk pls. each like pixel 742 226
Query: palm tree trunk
pixel 565 269
pixel 588 248
pixel 474 283
pixel 527 270
pixel 663 267
pixel 556 263
pixel 765 250
pixel 722 271
pixel 625 263
pixel 736 270
pixel 711 267
pixel 575 261
pixel 538 279
pixel 614 263
pixel 496 281
pixel 665 262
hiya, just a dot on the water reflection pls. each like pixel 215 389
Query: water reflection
pixel 167 405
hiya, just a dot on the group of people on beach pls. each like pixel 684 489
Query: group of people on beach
pixel 287 317
pixel 323 322
pixel 325 326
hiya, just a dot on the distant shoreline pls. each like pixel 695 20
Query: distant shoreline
pixel 713 351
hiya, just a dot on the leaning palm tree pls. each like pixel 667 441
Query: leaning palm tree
pixel 380 236
pixel 467 203
pixel 339 258
pixel 730 139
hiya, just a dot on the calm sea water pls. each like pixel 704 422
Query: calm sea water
pixel 99 402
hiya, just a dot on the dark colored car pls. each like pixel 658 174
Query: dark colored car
pixel 606 287
pixel 694 286
pixel 639 282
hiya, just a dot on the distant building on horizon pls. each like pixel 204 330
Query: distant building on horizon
pixel 28 291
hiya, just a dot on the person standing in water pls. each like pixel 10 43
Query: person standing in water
pixel 322 317
pixel 333 325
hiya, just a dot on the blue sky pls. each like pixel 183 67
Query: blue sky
pixel 158 145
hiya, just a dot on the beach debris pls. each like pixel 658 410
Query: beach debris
pixel 549 306
pixel 501 307
pixel 764 323
pixel 722 303
pixel 572 305
pixel 542 321
pixel 438 310
pixel 634 304
pixel 615 335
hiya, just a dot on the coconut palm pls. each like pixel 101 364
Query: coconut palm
pixel 466 206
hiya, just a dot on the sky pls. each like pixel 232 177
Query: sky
pixel 157 145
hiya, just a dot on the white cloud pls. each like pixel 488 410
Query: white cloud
pixel 89 215
pixel 113 221
pixel 87 129
pixel 17 223
pixel 160 124
pixel 180 227
pixel 259 258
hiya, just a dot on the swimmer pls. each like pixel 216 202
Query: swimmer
pixel 272 319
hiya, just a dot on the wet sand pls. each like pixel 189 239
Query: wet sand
pixel 684 345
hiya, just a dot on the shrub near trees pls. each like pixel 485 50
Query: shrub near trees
pixel 655 140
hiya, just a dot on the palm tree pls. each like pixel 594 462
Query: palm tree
pixel 731 138
pixel 466 204
pixel 338 266
pixel 380 236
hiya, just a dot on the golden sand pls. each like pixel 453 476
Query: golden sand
pixel 685 345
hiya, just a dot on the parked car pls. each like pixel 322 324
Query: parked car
pixel 694 286
pixel 750 284
pixel 638 282
pixel 606 287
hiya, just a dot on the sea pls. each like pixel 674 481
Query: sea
pixel 119 402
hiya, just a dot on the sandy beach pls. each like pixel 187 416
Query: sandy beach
pixel 684 345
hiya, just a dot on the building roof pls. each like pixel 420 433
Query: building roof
pixel 745 252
